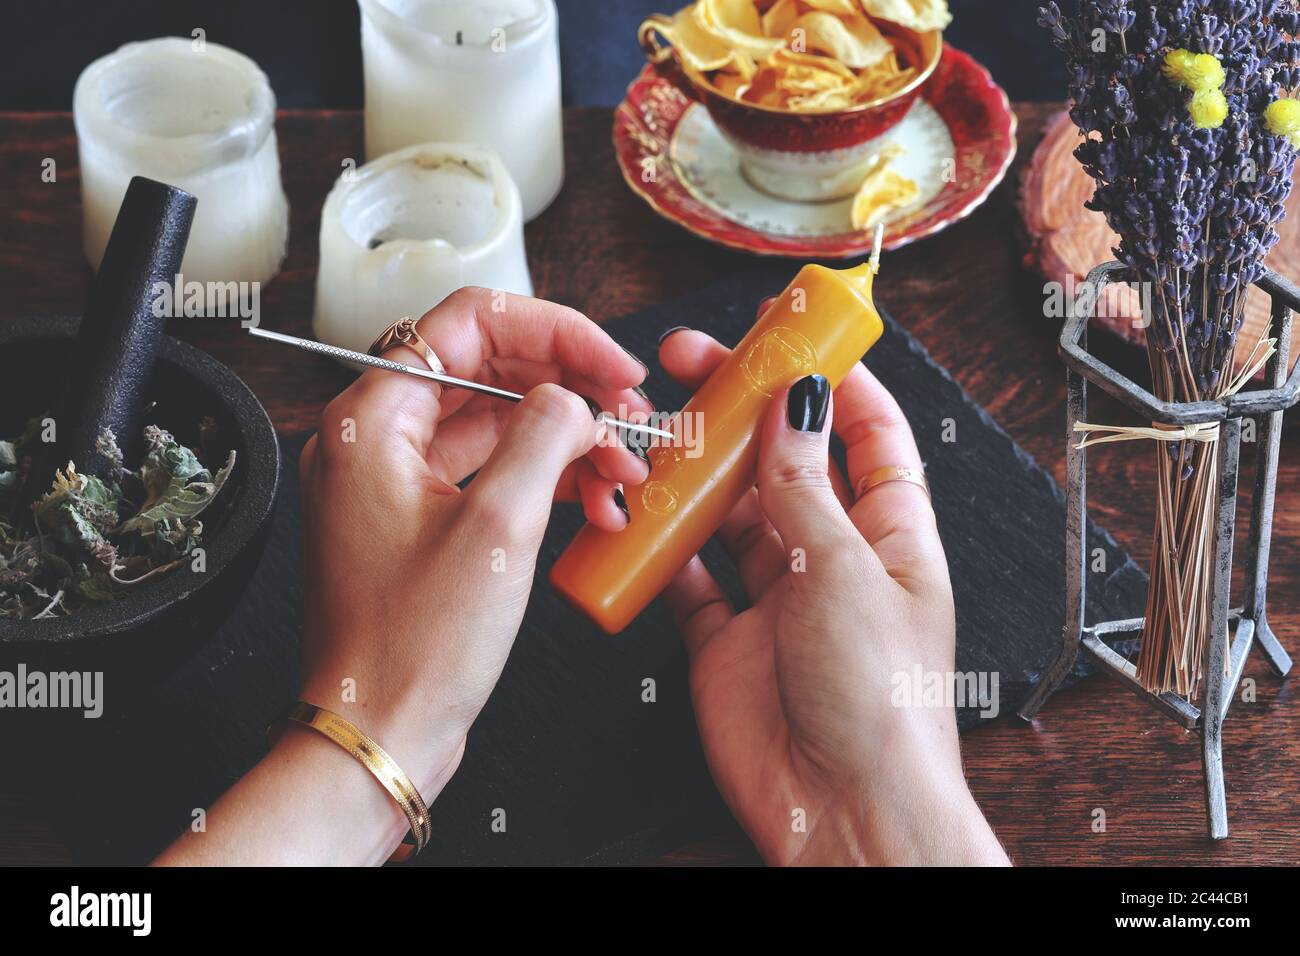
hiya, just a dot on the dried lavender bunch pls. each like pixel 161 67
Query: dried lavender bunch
pixel 1196 208
pixel 1191 139
pixel 94 539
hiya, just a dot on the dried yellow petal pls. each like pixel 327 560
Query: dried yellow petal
pixel 737 24
pixel 780 17
pixel 791 59
pixel 731 84
pixel 856 43
pixel 697 48
pixel 843 8
pixel 763 90
pixel 801 55
pixel 883 191
pixel 743 64
pixel 882 80
pixel 920 15
pixel 821 100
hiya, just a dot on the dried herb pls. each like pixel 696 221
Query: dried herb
pixel 93 539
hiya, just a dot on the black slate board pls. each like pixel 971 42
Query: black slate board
pixel 584 770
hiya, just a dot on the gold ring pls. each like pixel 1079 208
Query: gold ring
pixel 888 473
pixel 403 332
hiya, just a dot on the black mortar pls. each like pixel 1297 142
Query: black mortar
pixel 162 622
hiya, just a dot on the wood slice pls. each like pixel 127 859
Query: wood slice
pixel 1067 240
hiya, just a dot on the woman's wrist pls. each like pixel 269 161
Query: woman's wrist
pixel 924 818
pixel 357 812
pixel 307 802
pixel 912 808
pixel 399 718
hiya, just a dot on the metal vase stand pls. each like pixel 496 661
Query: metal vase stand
pixel 1266 407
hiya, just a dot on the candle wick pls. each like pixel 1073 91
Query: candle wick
pixel 876 246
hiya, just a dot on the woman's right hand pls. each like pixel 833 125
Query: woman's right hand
pixel 795 696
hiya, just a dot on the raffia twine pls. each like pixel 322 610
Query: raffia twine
pixel 1207 432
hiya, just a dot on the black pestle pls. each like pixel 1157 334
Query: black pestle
pixel 106 378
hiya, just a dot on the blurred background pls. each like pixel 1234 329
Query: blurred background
pixel 311 49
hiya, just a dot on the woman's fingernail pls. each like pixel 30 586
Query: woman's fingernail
pixel 675 328
pixel 633 444
pixel 621 502
pixel 641 391
pixel 809 399
pixel 595 409
pixel 633 355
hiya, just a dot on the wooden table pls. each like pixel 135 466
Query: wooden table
pixel 964 294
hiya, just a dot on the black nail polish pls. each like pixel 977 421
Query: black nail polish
pixel 641 391
pixel 622 503
pixel 595 409
pixel 675 328
pixel 633 443
pixel 809 399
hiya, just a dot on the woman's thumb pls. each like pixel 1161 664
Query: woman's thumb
pixel 794 484
pixel 514 490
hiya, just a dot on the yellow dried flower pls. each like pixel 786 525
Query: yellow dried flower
pixel 1177 64
pixel 1209 108
pixel 1194 71
pixel 1282 117
pixel 1204 73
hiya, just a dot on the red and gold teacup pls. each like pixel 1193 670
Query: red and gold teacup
pixel 805 156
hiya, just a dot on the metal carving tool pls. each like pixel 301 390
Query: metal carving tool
pixel 450 381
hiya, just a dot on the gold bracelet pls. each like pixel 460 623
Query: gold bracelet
pixel 383 767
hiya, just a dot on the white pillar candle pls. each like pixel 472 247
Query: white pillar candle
pixel 197 116
pixel 401 233
pixel 468 71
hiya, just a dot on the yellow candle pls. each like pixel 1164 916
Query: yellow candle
pixel 824 322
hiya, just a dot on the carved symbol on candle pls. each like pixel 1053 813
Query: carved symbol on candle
pixel 779 355
pixel 658 496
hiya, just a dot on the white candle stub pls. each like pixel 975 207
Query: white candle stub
pixel 197 116
pixel 468 71
pixel 401 233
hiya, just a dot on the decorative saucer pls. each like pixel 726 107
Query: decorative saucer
pixel 960 139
